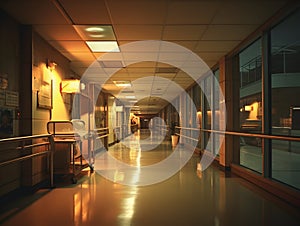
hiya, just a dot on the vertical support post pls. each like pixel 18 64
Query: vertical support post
pixel 266 104
pixel 51 165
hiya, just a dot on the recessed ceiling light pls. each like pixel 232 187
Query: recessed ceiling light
pixel 103 46
pixel 95 32
pixel 97 36
pixel 94 29
pixel 122 83
pixel 130 97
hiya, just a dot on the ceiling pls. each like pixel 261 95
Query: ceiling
pixel 210 29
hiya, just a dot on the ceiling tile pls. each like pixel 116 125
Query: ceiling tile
pixel 135 70
pixel 183 32
pixel 228 32
pixel 70 46
pixel 138 32
pixel 137 12
pixel 211 55
pixel 57 32
pixel 147 64
pixel 34 12
pixel 242 12
pixel 213 46
pixel 192 12
pixel 80 56
pixel 187 44
pixel 87 12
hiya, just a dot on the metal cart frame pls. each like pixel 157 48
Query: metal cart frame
pixel 67 132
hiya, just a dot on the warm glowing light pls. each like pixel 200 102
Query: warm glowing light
pixel 94 29
pixel 103 46
pixel 248 108
pixel 122 83
pixel 51 65
pixel 70 86
pixel 97 36
pixel 130 97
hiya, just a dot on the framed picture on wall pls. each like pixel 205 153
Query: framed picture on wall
pixel 44 96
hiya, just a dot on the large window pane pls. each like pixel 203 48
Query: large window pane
pixel 285 49
pixel 251 105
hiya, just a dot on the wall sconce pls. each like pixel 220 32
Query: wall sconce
pixel 248 108
pixel 70 86
pixel 51 64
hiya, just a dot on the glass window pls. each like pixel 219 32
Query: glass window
pixel 250 65
pixel 285 70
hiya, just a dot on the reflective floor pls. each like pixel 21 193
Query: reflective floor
pixel 190 197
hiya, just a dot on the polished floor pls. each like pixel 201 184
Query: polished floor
pixel 190 197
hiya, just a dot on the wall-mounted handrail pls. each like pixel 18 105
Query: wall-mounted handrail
pixel 244 134
pixel 101 129
pixel 187 128
pixel 22 147
pixel 190 138
pixel 256 135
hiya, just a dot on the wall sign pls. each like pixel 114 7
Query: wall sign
pixel 44 96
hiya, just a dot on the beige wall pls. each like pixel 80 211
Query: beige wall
pixel 42 77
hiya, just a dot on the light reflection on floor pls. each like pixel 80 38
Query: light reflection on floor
pixel 190 197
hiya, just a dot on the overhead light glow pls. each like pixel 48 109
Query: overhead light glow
pixel 130 97
pixel 95 32
pixel 97 36
pixel 122 83
pixel 103 46
pixel 70 86
pixel 94 29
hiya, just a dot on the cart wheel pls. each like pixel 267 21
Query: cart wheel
pixel 74 180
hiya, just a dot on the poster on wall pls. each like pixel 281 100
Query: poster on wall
pixel 6 123
pixel 44 96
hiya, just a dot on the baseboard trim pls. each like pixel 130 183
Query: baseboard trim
pixel 288 194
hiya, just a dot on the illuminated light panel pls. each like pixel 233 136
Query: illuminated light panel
pixel 95 29
pixel 70 86
pixel 248 108
pixel 130 97
pixel 95 32
pixel 103 46
pixel 122 83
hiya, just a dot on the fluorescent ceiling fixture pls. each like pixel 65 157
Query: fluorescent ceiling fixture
pixel 122 83
pixel 95 32
pixel 95 29
pixel 130 97
pixel 103 46
pixel 97 36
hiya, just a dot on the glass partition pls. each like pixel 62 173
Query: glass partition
pixel 250 65
pixel 285 75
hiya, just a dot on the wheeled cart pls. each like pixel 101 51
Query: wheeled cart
pixel 72 148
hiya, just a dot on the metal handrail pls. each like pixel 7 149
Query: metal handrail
pixel 187 128
pixel 101 129
pixel 15 139
pixel 256 135
pixel 243 134
pixel 48 152
pixel 187 137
